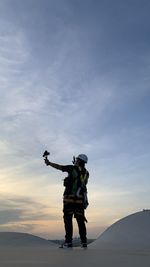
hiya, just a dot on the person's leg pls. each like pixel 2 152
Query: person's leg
pixel 68 227
pixel 80 218
pixel 82 228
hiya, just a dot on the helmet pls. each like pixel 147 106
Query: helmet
pixel 83 157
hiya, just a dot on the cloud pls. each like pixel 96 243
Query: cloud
pixel 44 113
pixel 15 209
pixel 25 214
pixel 8 216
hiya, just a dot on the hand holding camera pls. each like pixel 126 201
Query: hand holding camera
pixel 45 155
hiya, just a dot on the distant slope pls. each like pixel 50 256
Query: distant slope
pixel 22 239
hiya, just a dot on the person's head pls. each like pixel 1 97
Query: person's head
pixel 81 160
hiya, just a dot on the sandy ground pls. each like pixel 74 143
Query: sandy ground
pixel 47 256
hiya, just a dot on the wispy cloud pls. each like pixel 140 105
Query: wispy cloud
pixel 21 211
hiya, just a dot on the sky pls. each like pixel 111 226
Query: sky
pixel 74 78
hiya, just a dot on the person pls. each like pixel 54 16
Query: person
pixel 74 198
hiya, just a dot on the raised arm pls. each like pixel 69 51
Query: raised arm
pixel 54 165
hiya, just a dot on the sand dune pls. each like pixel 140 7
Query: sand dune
pixel 24 250
pixel 22 239
pixel 132 231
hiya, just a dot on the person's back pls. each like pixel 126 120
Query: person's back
pixel 76 181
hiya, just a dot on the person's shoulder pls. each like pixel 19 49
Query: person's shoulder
pixel 67 168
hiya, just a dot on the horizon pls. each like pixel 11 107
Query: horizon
pixel 74 78
pixel 123 231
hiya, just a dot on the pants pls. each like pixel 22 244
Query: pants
pixel 77 210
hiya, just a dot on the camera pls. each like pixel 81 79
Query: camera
pixel 46 154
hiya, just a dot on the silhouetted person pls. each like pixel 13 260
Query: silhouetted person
pixel 74 197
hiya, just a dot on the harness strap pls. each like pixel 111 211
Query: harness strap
pixel 71 196
pixel 76 214
pixel 73 201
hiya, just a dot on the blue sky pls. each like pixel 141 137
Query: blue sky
pixel 74 78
